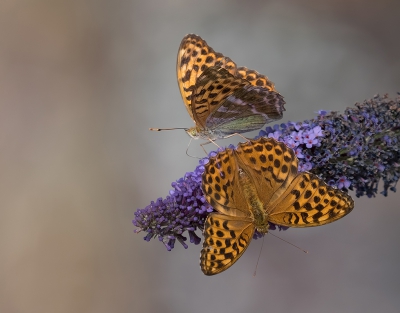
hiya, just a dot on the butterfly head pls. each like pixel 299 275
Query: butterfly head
pixel 263 228
pixel 207 134
pixel 261 220
pixel 192 132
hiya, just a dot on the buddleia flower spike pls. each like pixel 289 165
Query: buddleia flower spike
pixel 356 150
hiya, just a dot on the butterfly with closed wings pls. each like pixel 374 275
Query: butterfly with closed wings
pixel 221 98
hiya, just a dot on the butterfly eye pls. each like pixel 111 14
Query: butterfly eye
pixel 192 132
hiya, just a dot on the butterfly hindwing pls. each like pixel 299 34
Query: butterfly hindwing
pixel 271 164
pixel 309 201
pixel 221 186
pixel 247 108
pixel 255 78
pixel 225 240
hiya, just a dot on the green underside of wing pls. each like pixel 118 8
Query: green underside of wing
pixel 242 125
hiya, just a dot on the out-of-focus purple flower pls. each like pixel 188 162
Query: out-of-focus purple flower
pixel 307 157
pixel 308 166
pixel 275 135
pixel 302 167
pixel 380 167
pixel 297 136
pixel 322 112
pixel 310 141
pixel 308 135
pixel 297 126
pixel 263 133
pixel 298 152
pixel 291 143
pixel 317 130
pixel 343 182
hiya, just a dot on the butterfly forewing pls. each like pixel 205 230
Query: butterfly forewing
pixel 271 164
pixel 247 108
pixel 225 240
pixel 305 198
pixel 221 185
pixel 194 57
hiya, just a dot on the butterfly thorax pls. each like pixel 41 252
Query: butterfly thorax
pixel 206 133
pixel 254 202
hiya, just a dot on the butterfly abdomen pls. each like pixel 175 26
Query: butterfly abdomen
pixel 253 201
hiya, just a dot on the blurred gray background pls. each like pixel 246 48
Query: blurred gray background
pixel 80 84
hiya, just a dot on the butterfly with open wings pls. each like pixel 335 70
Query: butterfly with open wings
pixel 253 185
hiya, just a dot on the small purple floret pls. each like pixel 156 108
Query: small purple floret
pixel 343 182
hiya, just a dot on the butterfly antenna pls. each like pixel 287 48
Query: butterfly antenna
pixel 259 255
pixel 305 251
pixel 160 129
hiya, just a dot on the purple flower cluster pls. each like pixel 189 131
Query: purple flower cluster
pixel 354 150
pixel 297 136
pixel 185 209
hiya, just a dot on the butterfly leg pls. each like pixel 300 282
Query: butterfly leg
pixel 237 134
pixel 206 143
pixel 201 145
pixel 187 151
